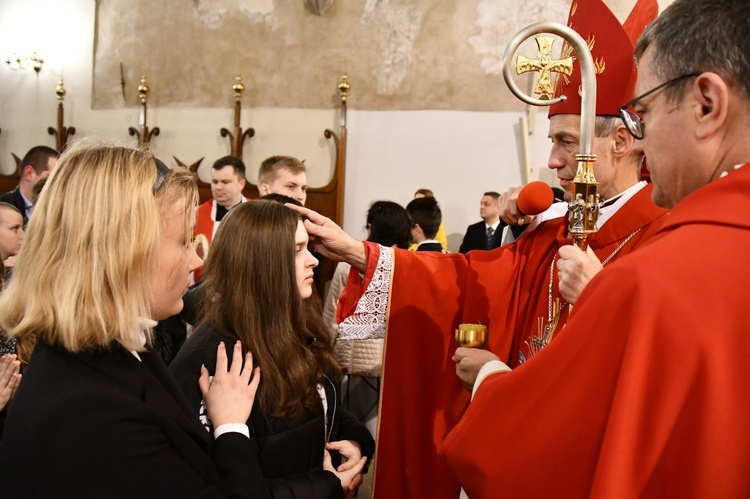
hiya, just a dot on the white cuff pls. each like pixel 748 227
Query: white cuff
pixel 491 367
pixel 231 428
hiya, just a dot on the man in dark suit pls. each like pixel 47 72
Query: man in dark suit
pixel 425 218
pixel 487 234
pixel 35 166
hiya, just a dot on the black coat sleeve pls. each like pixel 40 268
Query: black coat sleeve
pixel 465 243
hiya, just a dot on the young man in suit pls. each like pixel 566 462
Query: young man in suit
pixel 35 166
pixel 485 235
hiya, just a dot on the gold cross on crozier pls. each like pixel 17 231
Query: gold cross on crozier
pixel 545 66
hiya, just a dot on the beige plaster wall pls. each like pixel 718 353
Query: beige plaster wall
pixel 400 54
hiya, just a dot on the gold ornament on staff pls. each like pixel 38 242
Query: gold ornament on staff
pixel 344 87
pixel 471 335
pixel 583 209
pixel 237 139
pixel 545 66
pixel 62 132
pixel 144 135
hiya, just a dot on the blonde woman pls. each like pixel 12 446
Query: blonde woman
pixel 106 255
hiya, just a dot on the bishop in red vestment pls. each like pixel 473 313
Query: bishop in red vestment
pixel 511 289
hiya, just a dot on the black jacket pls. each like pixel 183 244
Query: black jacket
pixel 476 237
pixel 102 424
pixel 290 452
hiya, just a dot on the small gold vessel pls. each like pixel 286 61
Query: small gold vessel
pixel 471 335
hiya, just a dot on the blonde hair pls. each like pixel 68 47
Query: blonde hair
pixel 270 168
pixel 82 276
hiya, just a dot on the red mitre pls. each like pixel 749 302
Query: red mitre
pixel 611 47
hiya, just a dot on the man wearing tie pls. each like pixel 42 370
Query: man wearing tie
pixel 485 235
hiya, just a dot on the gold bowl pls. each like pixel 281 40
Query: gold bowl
pixel 471 335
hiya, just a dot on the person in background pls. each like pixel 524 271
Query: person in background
pixel 485 235
pixel 283 175
pixel 11 236
pixel 426 217
pixel 227 182
pixel 440 236
pixel 35 166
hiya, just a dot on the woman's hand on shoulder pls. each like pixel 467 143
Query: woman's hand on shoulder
pixel 230 394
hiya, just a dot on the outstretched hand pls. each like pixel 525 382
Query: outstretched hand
pixel 230 394
pixel 330 240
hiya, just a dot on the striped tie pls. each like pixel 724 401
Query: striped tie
pixel 490 233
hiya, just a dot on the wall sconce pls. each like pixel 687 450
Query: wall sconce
pixel 17 62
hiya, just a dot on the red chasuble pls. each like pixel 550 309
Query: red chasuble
pixel 506 289
pixel 645 394
pixel 205 225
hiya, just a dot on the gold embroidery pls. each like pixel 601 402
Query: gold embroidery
pixel 600 65
pixel 544 333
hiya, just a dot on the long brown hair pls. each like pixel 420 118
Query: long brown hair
pixel 250 293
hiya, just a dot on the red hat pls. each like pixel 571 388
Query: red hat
pixel 611 47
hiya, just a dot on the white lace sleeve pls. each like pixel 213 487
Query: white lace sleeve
pixel 368 320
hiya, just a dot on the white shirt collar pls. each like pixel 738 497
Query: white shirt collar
pixel 607 212
pixel 143 324
pixel 494 226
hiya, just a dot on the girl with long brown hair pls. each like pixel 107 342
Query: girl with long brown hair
pixel 258 288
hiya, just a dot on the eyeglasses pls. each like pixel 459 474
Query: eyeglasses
pixel 633 122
